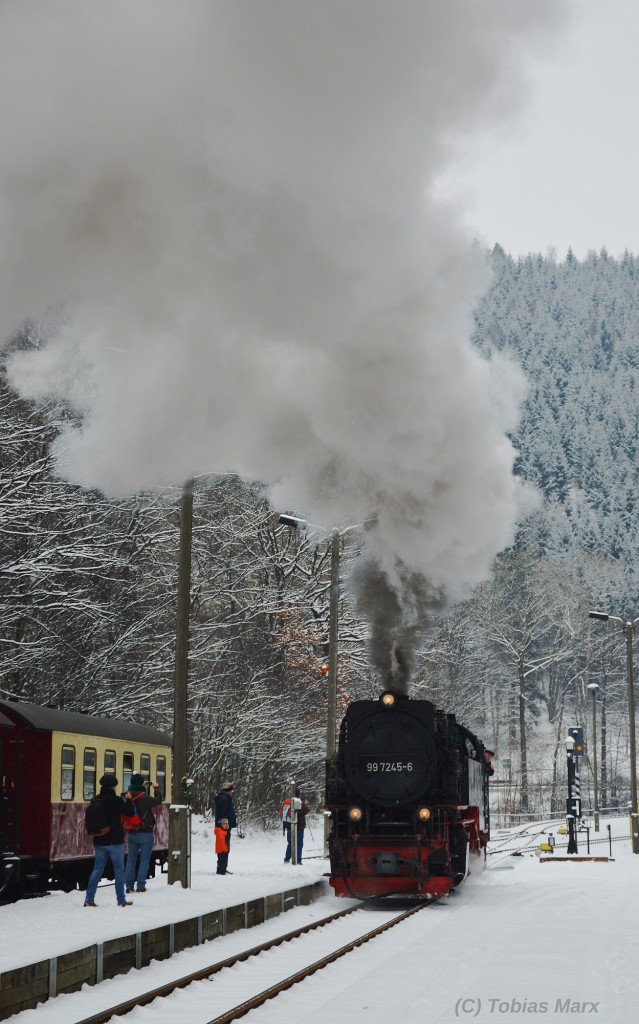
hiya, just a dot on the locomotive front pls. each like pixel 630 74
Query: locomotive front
pixel 395 791
pixel 389 753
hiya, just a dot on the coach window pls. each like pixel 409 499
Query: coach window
pixel 145 766
pixel 109 762
pixel 67 774
pixel 160 775
pixel 127 770
pixel 88 778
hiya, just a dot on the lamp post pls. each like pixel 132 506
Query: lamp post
pixel 593 687
pixel 629 629
pixel 333 626
pixel 179 866
pixel 570 803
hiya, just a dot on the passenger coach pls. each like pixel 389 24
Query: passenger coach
pixel 50 765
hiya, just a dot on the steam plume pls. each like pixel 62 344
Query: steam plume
pixel 230 201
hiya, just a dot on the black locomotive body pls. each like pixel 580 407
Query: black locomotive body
pixel 408 795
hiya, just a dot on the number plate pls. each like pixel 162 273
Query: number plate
pixel 378 766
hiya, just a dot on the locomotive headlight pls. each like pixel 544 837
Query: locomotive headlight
pixel 355 813
pixel 388 699
pixel 423 813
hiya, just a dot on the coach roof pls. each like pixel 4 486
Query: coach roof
pixel 54 720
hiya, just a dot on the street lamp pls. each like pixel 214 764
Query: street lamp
pixel 294 523
pixel 628 628
pixel 570 803
pixel 593 687
pixel 179 866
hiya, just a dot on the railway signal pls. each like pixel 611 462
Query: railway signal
pixel 577 734
pixel 573 803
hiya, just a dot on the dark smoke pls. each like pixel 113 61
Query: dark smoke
pixel 399 614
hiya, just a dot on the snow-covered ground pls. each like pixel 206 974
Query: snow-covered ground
pixel 36 929
pixel 521 940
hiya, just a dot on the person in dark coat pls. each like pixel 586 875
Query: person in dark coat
pixel 111 845
pixel 225 811
pixel 301 825
pixel 140 840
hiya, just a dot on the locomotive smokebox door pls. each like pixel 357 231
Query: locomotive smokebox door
pixel 390 753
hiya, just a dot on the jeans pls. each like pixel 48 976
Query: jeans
pixel 142 843
pixel 300 844
pixel 102 854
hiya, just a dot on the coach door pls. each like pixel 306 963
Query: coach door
pixel 8 835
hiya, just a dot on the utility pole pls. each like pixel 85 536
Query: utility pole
pixel 634 817
pixel 333 632
pixel 593 687
pixel 629 629
pixel 179 868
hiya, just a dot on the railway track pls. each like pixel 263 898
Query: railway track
pixel 526 839
pixel 210 998
pixel 563 846
pixel 519 841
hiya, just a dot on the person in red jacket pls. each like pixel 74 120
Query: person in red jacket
pixel 222 832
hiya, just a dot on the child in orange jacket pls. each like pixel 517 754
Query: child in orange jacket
pixel 222 836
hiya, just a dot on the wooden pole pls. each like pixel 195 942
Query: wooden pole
pixel 179 837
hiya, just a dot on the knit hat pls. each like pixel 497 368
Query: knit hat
pixel 228 785
pixel 136 784
pixel 109 781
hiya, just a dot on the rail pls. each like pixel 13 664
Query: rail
pixel 261 997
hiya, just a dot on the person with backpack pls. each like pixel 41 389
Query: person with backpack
pixel 103 821
pixel 285 812
pixel 139 829
pixel 225 811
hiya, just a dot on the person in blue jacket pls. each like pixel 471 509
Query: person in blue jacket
pixel 224 810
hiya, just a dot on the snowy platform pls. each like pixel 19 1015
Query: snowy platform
pixel 54 944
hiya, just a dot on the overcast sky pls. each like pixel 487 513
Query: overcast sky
pixel 567 174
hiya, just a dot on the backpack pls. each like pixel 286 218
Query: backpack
pixel 285 813
pixel 96 820
pixel 135 822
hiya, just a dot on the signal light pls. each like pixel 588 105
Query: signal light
pixel 576 733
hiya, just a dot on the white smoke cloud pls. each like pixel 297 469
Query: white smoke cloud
pixel 230 202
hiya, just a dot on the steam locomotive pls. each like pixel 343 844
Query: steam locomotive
pixel 407 792
pixel 50 764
